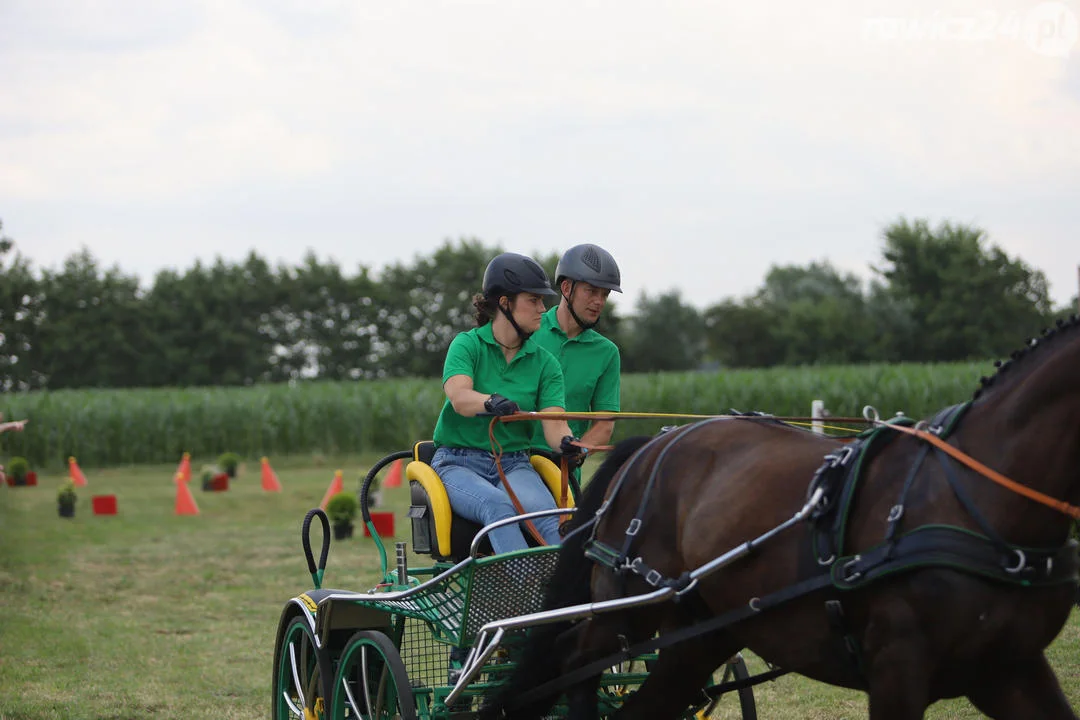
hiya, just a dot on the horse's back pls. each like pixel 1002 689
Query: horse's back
pixel 750 477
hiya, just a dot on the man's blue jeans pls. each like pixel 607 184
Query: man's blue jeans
pixel 476 493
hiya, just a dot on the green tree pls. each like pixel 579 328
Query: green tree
pixel 665 334
pixel 426 303
pixel 324 324
pixel 20 318
pixel 966 299
pixel 819 314
pixel 1072 307
pixel 801 315
pixel 743 334
pixel 208 325
pixel 91 331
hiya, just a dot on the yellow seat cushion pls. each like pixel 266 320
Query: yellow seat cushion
pixel 439 502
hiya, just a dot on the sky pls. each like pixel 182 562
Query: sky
pixel 699 142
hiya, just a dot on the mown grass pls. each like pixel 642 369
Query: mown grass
pixel 146 614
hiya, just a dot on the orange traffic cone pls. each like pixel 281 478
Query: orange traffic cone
pixel 393 478
pixel 184 468
pixel 75 472
pixel 185 501
pixel 269 478
pixel 336 485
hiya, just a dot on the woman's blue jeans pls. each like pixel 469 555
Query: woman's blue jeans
pixel 476 493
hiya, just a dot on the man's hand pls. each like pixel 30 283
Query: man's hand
pixel 574 454
pixel 498 405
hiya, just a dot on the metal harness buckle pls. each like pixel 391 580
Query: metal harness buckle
pixel 840 457
pixel 638 566
pixel 846 572
pixel 634 526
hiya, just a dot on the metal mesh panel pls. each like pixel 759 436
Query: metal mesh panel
pixel 458 604
pixel 426 659
pixel 442 605
pixel 508 586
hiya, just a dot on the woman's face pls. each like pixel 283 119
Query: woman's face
pixel 527 309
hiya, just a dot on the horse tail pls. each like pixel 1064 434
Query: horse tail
pixel 569 585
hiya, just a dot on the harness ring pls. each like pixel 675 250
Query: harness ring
pixel 1021 562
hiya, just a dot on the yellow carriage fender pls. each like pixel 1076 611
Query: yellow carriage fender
pixel 552 477
pixel 440 503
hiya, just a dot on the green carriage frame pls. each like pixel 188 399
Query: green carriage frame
pixel 386 653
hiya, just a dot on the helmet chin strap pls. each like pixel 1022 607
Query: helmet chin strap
pixel 524 336
pixel 570 306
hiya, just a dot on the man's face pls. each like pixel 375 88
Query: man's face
pixel 588 300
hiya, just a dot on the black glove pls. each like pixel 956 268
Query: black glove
pixel 498 405
pixel 574 454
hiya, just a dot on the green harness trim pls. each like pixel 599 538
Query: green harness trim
pixel 931 545
pixel 603 554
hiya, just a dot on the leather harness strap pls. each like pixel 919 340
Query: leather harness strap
pixel 989 473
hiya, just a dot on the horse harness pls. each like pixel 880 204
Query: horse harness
pixel 827 568
pixel 984 553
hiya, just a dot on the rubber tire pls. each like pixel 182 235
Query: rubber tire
pixel 297 629
pixel 406 704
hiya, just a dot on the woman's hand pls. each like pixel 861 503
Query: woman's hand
pixel 498 405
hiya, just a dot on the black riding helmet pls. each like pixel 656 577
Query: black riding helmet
pixel 589 263
pixel 511 273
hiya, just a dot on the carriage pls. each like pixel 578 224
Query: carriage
pixel 932 560
pixel 419 644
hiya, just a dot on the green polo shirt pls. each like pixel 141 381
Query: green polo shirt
pixel 591 365
pixel 532 379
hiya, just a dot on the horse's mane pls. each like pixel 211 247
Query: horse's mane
pixel 1031 347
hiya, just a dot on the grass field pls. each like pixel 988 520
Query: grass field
pixel 146 614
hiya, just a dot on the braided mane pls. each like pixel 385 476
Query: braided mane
pixel 1062 327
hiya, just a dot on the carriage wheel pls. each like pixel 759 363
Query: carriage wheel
pixel 734 671
pixel 371 681
pixel 296 674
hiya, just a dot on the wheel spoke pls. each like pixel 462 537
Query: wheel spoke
pixel 296 672
pixel 292 706
pixel 348 693
pixel 364 678
pixel 382 691
pixel 296 675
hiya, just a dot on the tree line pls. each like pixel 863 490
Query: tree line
pixel 940 293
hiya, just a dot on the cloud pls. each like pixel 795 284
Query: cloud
pixel 699 142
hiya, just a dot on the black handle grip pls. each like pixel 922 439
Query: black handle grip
pixel 366 484
pixel 305 535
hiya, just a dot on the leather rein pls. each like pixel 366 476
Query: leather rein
pixel 929 437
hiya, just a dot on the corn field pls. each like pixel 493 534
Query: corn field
pixel 123 427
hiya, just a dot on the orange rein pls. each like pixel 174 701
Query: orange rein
pixel 989 473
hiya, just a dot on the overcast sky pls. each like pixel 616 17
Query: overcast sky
pixel 700 142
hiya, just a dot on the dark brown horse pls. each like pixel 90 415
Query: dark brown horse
pixel 938 582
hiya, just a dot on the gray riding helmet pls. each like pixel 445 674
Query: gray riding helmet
pixel 511 273
pixel 589 263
